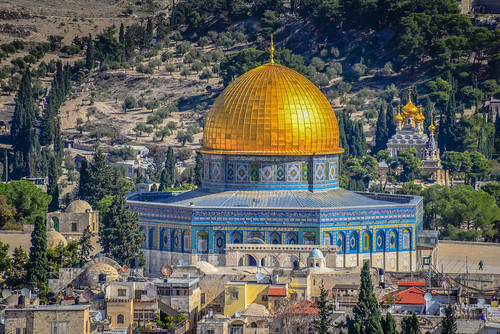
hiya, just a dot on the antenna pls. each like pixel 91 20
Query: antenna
pixel 237 314
pixel 167 271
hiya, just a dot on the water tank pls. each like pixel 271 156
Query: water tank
pixel 102 278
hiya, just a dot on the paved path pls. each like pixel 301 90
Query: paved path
pixel 452 256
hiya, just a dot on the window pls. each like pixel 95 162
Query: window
pixel 144 315
pixel 264 298
pixel 25 331
pixel 236 329
pixel 234 295
pixel 58 328
pixel 210 331
pixel 202 299
pixel 18 330
pixel 122 292
pixel 74 227
pixel 120 319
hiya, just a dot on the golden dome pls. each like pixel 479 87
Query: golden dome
pixel 399 118
pixel 432 128
pixel 420 117
pixel 271 110
pixel 410 109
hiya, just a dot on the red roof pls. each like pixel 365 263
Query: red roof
pixel 277 291
pixel 305 307
pixel 411 296
pixel 412 283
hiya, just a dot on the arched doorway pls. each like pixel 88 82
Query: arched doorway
pixel 247 260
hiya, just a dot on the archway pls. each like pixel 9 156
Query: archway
pixel 275 238
pixel 236 238
pixel 327 239
pixel 247 260
pixel 309 239
pixel 153 238
pixel 163 240
pixel 270 261
pixel 256 237
pixel 55 223
pixel 202 242
pixel 292 238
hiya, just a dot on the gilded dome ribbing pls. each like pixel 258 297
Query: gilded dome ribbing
pixel 271 110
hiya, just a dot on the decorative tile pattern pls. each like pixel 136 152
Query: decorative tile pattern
pixel 332 171
pixel 230 172
pixel 280 173
pixel 254 172
pixel 319 171
pixel 267 173
pixel 305 172
pixel 242 172
pixel 206 170
pixel 293 172
pixel 217 171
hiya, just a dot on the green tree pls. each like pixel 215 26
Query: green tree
pixel 90 55
pixel 38 266
pixel 323 323
pixel 389 324
pixel 410 325
pixel 120 237
pixel 410 164
pixel 5 261
pixel 367 317
pixel 85 246
pixel 184 136
pixel 170 167
pixel 449 322
pixel 28 200
pixel 128 103
pixel 381 132
pixel 53 187
pixel 16 275
pixel 198 170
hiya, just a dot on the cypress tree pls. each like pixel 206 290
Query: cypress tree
pixel 381 133
pixel 198 170
pixel 170 167
pixel 84 183
pixel 323 323
pixel 34 159
pixel 389 324
pixel 390 121
pixel 164 180
pixel 85 246
pixel 410 325
pixel 367 317
pixel 38 265
pixel 53 188
pixel 47 126
pixel 58 142
pixel 121 238
pixel 449 123
pixel 90 56
pixel 428 113
pixel 148 33
pixel 441 132
pixel 497 133
pixel 16 276
pixel 449 322
pixel 482 144
pixel 121 34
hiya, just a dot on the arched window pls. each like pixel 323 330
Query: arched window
pixel 341 242
pixel 292 238
pixel 142 230
pixel 393 240
pixel 309 239
pixel 367 241
pixel 220 242
pixel 255 237
pixel 120 319
pixel 186 245
pixel 327 239
pixel 353 242
pixel 202 242
pixel 153 238
pixel 406 239
pixel 253 325
pixel 175 240
pixel 380 241
pixel 275 238
pixel 236 238
pixel 163 239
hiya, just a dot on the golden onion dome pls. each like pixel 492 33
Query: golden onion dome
pixel 271 110
pixel 399 118
pixel 410 109
pixel 420 117
pixel 432 127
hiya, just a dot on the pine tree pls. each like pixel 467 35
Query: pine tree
pixel 38 265
pixel 410 325
pixel 390 121
pixel 449 322
pixel 389 324
pixel 198 170
pixel 381 133
pixel 148 34
pixel 90 57
pixel 170 166
pixel 85 246
pixel 83 184
pixel 323 323
pixel 16 276
pixel 121 34
pixel 428 111
pixel 449 123
pixel 53 188
pixel 58 142
pixel 164 180
pixel 367 317
pixel 121 238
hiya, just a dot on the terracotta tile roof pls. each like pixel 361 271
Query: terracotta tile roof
pixel 305 307
pixel 277 291
pixel 412 283
pixel 411 296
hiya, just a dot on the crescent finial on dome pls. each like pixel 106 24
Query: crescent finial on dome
pixel 271 50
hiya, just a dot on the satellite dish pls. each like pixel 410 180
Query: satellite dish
pixel 124 269
pixel 428 297
pixel 6 293
pixel 237 314
pixel 98 316
pixel 25 292
pixel 167 271
pixel 260 277
pixel 88 295
pixel 183 262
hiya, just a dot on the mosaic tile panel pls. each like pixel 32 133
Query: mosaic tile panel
pixel 206 170
pixel 254 172
pixel 267 173
pixel 230 172
pixel 332 171
pixel 293 172
pixel 217 171
pixel 305 172
pixel 280 173
pixel 319 171
pixel 242 172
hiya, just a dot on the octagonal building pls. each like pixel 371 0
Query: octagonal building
pixel 271 190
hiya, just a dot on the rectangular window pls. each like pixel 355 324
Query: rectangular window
pixel 236 329
pixel 18 330
pixel 234 295
pixel 264 298
pixel 59 328
pixel 202 299
pixel 74 227
pixel 210 331
pixel 122 293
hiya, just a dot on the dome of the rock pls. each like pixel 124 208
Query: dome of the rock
pixel 271 110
